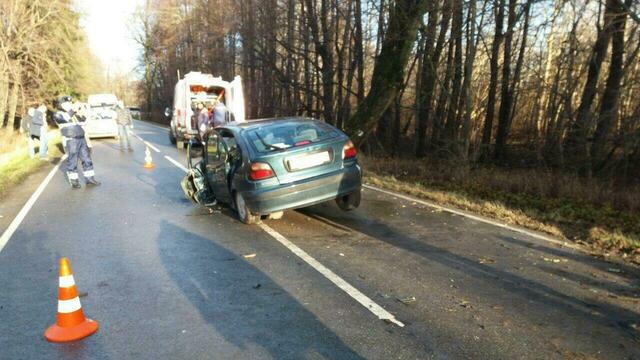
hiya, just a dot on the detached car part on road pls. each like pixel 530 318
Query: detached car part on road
pixel 265 167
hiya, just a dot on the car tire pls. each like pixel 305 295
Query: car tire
pixel 172 138
pixel 349 202
pixel 244 214
pixel 276 215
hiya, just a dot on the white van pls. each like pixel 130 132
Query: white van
pixel 102 116
pixel 198 87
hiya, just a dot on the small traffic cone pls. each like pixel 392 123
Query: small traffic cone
pixel 70 323
pixel 148 161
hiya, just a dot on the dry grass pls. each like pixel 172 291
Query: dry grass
pixel 561 205
pixel 15 164
pixel 10 142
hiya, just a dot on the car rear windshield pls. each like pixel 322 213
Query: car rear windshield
pixel 284 135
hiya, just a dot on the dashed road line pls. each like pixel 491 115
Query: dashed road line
pixel 151 146
pixel 356 294
pixel 364 300
pixel 477 218
pixel 4 239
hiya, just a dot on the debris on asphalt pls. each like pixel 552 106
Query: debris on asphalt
pixel 341 254
pixel 257 286
pixel 83 294
pixel 486 261
pixel 614 270
pixel 554 260
pixel 249 256
pixel 407 300
pixel 465 304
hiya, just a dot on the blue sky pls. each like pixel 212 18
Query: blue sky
pixel 109 26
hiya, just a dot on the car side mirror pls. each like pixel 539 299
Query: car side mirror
pixel 167 112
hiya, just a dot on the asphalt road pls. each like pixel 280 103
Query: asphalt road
pixel 169 280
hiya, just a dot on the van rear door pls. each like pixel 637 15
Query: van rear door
pixel 236 100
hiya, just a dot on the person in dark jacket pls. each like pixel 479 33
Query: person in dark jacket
pixel 35 124
pixel 76 145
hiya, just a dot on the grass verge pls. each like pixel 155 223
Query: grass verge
pixel 524 199
pixel 15 166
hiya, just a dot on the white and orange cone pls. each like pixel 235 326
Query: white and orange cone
pixel 70 323
pixel 148 161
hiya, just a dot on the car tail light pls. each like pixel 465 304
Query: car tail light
pixel 260 171
pixel 349 150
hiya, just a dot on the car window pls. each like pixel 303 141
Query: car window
pixel 212 149
pixel 284 135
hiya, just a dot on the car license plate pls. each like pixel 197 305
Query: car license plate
pixel 308 160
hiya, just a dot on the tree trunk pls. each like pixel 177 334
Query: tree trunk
pixel 429 72
pixel 576 140
pixel 388 73
pixel 609 104
pixel 493 81
pixel 4 96
pixel 452 126
pixel 359 52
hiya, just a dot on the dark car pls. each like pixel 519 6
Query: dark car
pixel 264 167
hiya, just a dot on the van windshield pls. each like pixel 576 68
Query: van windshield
pixel 284 135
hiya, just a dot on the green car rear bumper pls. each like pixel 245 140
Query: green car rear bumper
pixel 305 192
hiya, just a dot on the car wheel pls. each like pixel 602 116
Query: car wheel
pixel 276 215
pixel 172 138
pixel 244 214
pixel 349 202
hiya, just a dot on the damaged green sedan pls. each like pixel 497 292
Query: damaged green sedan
pixel 264 167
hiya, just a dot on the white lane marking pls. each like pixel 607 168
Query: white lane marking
pixel 69 306
pixel 365 301
pixel 176 163
pixel 151 146
pixel 67 281
pixel 477 218
pixel 146 142
pixel 4 239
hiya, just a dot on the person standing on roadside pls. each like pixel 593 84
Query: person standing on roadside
pixel 203 121
pixel 219 117
pixel 36 127
pixel 124 122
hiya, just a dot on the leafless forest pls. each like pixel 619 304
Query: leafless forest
pixel 553 84
pixel 43 53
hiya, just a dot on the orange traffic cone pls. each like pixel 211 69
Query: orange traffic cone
pixel 148 161
pixel 70 323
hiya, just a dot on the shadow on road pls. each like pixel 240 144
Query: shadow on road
pixel 242 303
pixel 545 297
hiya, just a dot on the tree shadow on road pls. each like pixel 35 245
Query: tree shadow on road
pixel 243 304
pixel 545 297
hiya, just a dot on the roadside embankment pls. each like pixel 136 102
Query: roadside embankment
pixel 594 214
pixel 15 164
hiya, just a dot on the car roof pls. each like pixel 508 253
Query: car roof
pixel 250 124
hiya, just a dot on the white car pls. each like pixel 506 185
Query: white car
pixel 102 116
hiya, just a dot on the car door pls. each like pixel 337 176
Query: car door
pixel 216 166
